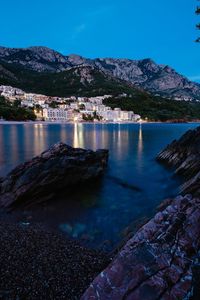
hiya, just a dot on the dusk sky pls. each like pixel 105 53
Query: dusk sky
pixel 158 29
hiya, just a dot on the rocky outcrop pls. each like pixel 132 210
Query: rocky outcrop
pixel 156 78
pixel 184 156
pixel 39 59
pixel 160 261
pixel 146 74
pixel 59 168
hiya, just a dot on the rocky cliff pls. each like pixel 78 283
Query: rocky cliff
pixel 146 74
pixel 58 169
pixel 184 156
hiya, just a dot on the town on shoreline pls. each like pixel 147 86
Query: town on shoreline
pixel 70 109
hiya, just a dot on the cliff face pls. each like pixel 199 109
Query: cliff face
pixel 162 261
pixel 158 79
pixel 184 155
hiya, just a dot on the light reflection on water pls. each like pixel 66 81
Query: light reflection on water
pixel 100 212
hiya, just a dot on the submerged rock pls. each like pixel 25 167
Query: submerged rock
pixel 59 168
pixel 159 261
pixel 184 155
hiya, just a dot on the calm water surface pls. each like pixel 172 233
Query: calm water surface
pixel 100 213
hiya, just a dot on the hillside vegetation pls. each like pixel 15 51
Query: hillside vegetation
pixel 13 112
pixel 83 81
pixel 158 109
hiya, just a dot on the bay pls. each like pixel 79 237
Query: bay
pixel 133 185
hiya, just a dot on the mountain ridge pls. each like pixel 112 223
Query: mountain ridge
pixel 75 81
pixel 157 79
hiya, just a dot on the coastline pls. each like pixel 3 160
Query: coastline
pixel 91 123
pixel 65 123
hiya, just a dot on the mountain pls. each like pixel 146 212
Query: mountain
pixel 81 80
pixel 40 59
pixel 145 74
pixel 158 79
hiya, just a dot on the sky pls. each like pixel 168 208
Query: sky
pixel 158 29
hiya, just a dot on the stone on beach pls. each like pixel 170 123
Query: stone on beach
pixel 39 264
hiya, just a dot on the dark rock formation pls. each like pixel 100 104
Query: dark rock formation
pixel 56 169
pixel 184 155
pixel 159 262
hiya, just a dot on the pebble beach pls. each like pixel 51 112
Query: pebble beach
pixel 36 263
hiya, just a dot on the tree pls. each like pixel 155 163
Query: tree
pixel 81 106
pixel 17 103
pixel 198 25
pixel 13 112
pixel 53 104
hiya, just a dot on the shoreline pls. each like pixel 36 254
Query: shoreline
pixel 91 123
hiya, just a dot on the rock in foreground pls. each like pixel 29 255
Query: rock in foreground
pixel 59 168
pixel 184 155
pixel 159 262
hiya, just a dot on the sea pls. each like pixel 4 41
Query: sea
pixel 100 215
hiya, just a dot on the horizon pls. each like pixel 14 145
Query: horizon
pixel 101 29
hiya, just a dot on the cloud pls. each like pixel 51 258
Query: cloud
pixel 90 16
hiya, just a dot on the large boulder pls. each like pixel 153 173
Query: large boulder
pixel 160 261
pixel 56 169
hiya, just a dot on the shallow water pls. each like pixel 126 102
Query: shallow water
pixel 133 185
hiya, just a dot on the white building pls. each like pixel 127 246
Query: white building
pixel 10 91
pixel 74 105
pixel 55 114
pixel 27 103
pixel 64 106
pixel 136 118
pixel 88 105
pixel 70 115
